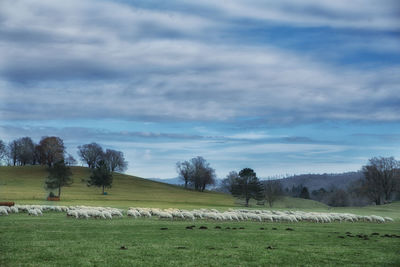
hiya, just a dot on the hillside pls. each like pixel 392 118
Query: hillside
pixel 26 185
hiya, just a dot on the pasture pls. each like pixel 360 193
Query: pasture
pixel 54 239
pixel 57 240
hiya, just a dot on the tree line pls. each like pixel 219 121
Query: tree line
pixel 380 183
pixel 50 151
pixel 197 174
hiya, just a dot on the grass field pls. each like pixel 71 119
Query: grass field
pixel 55 240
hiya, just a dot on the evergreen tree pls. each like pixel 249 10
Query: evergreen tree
pixel 59 176
pixel 304 193
pixel 101 176
pixel 247 186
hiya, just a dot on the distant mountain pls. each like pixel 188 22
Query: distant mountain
pixel 312 181
pixel 316 181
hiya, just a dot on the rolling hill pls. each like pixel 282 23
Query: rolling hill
pixel 26 185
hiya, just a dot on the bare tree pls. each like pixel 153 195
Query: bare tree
pixel 70 160
pixel 51 150
pixel 381 177
pixel 226 184
pixel 13 152
pixel 115 160
pixel 272 191
pixel 185 171
pixel 91 154
pixel 202 174
pixel 196 173
pixel 26 151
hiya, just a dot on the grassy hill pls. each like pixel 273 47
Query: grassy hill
pixel 26 185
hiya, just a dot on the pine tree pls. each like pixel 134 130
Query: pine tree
pixel 247 186
pixel 59 176
pixel 101 176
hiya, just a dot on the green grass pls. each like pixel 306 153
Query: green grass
pixel 55 240
pixel 25 185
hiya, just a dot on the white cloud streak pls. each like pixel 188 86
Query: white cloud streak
pixel 116 60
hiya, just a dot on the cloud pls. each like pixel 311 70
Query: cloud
pixel 360 14
pixel 111 60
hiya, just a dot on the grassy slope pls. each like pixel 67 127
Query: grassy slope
pixel 26 185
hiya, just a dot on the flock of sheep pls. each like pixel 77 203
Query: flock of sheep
pixel 86 212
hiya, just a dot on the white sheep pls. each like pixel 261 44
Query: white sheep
pixel 388 219
pixel 14 209
pixel 32 212
pixel 3 211
pixel 131 213
pixel 165 215
pixel 106 214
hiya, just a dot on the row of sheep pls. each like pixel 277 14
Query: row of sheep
pixel 254 215
pixel 86 212
pixel 34 210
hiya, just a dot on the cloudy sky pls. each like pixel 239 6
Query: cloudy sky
pixel 283 87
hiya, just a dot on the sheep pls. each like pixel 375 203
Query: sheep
pixel 39 212
pixel 14 210
pixel 388 219
pixel 72 213
pixel 377 219
pixel 3 211
pixel 131 213
pixel 32 212
pixel 145 213
pixel 82 214
pixel 165 215
pixel 254 217
pixel 117 213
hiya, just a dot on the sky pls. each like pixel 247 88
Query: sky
pixel 283 87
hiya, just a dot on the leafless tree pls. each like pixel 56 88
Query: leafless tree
pixel 13 152
pixel 272 191
pixel 381 177
pixel 226 184
pixel 91 154
pixel 196 173
pixel 70 160
pixel 115 160
pixel 51 149
pixel 185 171
pixel 26 151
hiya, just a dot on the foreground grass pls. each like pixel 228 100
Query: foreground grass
pixel 54 240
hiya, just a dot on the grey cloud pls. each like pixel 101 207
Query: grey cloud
pixel 106 67
pixel 10 132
